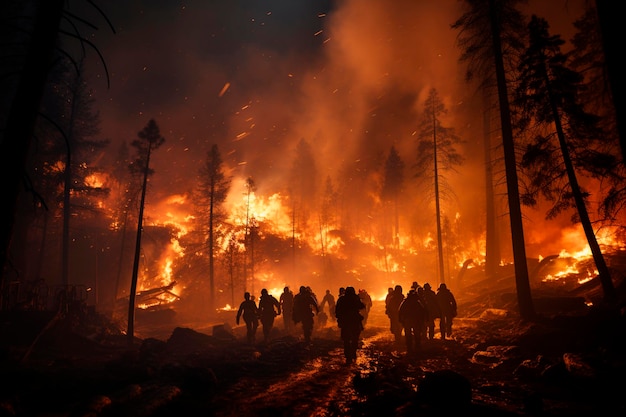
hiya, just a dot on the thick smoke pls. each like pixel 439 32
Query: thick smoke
pixel 348 77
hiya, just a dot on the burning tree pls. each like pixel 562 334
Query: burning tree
pixel 149 139
pixel 393 183
pixel 548 95
pixel 435 154
pixel 213 189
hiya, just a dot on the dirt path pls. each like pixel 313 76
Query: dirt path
pixel 383 378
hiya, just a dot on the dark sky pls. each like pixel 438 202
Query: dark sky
pixel 255 77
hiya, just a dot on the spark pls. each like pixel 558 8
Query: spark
pixel 223 90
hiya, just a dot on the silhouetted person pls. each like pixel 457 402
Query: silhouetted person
pixel 391 310
pixel 342 291
pixel 304 309
pixel 367 302
pixel 350 321
pixel 447 304
pixel 330 300
pixel 412 315
pixel 286 306
pixel 389 294
pixel 429 297
pixel 269 308
pixel 250 313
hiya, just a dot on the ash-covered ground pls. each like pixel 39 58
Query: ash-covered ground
pixel 568 362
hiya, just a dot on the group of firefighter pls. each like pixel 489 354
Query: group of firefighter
pixel 413 314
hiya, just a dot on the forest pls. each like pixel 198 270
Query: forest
pixel 322 148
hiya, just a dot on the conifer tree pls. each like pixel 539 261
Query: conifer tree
pixel 548 97
pixel 213 190
pixel 436 154
pixel 149 139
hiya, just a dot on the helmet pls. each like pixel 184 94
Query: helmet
pixel 443 286
pixel 427 286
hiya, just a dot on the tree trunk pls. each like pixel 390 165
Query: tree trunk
pixel 492 241
pixel 524 298
pixel 610 295
pixel 211 256
pixel 133 283
pixel 442 279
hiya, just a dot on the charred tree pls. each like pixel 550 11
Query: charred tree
pixel 149 139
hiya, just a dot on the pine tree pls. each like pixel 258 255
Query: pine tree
pixel 490 53
pixel 213 190
pixel 436 154
pixel 393 183
pixel 149 139
pixel 548 96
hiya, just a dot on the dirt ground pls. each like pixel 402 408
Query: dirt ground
pixel 563 364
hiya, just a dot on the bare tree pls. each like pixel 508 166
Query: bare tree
pixel 149 139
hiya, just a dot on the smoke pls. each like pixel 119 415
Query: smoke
pixel 348 77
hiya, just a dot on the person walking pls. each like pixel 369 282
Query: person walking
pixel 350 321
pixel 412 315
pixel 304 309
pixel 429 298
pixel 250 313
pixel 367 301
pixel 286 306
pixel 391 310
pixel 447 305
pixel 269 308
pixel 329 299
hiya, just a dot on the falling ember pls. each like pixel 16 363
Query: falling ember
pixel 224 89
pixel 241 135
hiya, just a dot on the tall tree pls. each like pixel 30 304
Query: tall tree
pixel 38 52
pixel 79 124
pixel 304 179
pixel 492 237
pixel 436 154
pixel 126 195
pixel 588 59
pixel 393 183
pixel 485 50
pixel 548 96
pixel 213 190
pixel 611 27
pixel 149 139
pixel 250 190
